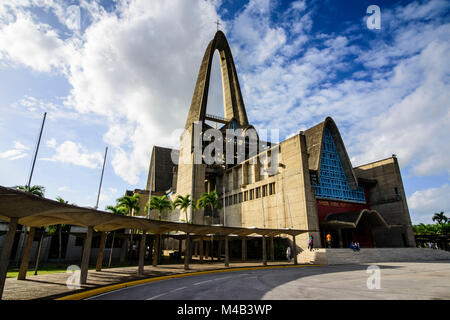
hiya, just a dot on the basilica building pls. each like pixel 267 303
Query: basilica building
pixel 306 182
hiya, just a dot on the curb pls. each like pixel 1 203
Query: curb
pixel 97 291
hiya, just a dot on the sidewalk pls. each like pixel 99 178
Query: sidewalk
pixel 52 285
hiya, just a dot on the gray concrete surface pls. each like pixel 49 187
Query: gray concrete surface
pixel 399 280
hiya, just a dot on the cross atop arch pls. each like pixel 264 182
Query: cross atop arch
pixel 218 24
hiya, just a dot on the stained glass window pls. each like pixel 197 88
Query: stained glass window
pixel 333 183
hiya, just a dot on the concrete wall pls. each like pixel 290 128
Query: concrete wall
pixel 389 199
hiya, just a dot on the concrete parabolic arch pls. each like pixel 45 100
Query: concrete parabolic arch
pixel 232 96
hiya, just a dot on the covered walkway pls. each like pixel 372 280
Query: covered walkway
pixel 18 207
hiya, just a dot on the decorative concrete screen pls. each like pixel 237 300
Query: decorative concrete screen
pixel 333 183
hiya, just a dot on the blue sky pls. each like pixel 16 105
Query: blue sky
pixel 124 75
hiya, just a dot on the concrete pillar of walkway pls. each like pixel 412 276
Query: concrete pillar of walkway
pixel 294 250
pixel 207 250
pixel 196 248
pixel 86 255
pixel 272 250
pixel 155 250
pixel 264 251
pixel 142 249
pixel 341 242
pixel 244 249
pixel 187 250
pixel 201 250
pixel 219 249
pixel 227 253
pixel 123 250
pixel 101 249
pixel 180 246
pixel 6 252
pixel 26 255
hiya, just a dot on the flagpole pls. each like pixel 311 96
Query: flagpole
pixel 28 186
pixel 101 179
pixel 36 151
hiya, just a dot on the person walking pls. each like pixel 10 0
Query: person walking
pixel 288 253
pixel 329 240
pixel 310 243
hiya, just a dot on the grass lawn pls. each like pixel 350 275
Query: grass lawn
pixel 14 272
pixel 44 269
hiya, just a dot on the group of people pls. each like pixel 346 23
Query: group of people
pixel 355 246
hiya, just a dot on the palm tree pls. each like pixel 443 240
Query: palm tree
pixel 440 218
pixel 119 211
pixel 36 190
pixel 60 226
pixel 183 203
pixel 209 200
pixel 130 203
pixel 161 204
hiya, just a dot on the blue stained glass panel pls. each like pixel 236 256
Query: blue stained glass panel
pixel 333 183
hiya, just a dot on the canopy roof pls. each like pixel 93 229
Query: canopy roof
pixel 34 211
pixel 352 219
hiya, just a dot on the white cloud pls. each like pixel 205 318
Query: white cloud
pixel 136 67
pixel 18 152
pixel 35 45
pixel 424 203
pixel 74 153
pixel 108 195
pixel 64 188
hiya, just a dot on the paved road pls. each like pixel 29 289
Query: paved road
pixel 397 281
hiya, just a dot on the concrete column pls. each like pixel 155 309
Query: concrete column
pixel 201 250
pixel 187 250
pixel 227 253
pixel 86 255
pixel 294 250
pixel 272 250
pixel 142 248
pixel 244 249
pixel 212 249
pixel 180 246
pixel 123 250
pixel 264 251
pixel 195 248
pixel 341 240
pixel 26 255
pixel 101 249
pixel 156 250
pixel 207 250
pixel 6 252
pixel 219 249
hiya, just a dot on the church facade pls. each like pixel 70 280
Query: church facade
pixel 306 182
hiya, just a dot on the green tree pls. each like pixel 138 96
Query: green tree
pixel 183 203
pixel 122 211
pixel 59 228
pixel 209 200
pixel 161 204
pixel 440 218
pixel 130 203
pixel 36 190
pixel 117 210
